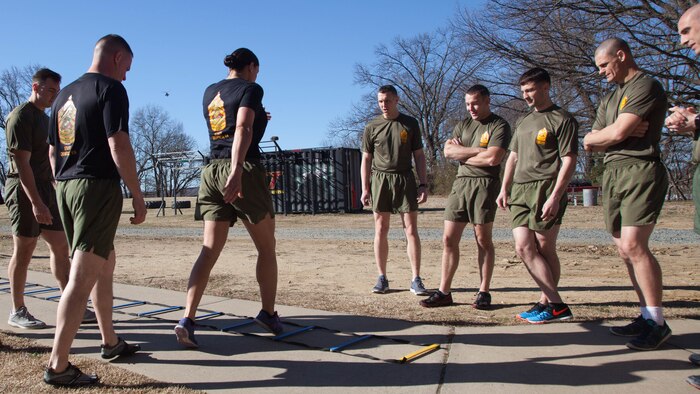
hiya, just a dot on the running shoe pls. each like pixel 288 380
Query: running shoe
pixel 417 287
pixel 382 285
pixel 21 318
pixel 437 299
pixel 634 329
pixel 552 313
pixel 652 338
pixel 120 349
pixel 483 300
pixel 184 331
pixel 72 377
pixel 533 311
pixel 270 322
pixel 695 359
pixel 694 380
pixel 89 317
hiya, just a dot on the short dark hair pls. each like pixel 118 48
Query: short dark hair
pixel 536 75
pixel 113 42
pixel 479 89
pixel 612 45
pixel 388 89
pixel 240 58
pixel 42 74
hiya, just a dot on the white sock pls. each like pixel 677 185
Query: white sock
pixel 645 312
pixel 656 314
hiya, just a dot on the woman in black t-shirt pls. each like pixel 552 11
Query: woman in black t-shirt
pixel 233 186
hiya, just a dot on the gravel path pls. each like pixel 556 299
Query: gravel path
pixel 660 236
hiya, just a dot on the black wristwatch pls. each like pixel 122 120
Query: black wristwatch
pixel 422 185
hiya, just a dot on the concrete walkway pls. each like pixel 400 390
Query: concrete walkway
pixel 564 357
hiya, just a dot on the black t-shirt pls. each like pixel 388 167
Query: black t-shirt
pixel 220 104
pixel 85 114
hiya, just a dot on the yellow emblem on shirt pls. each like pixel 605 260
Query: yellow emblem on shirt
pixel 66 126
pixel 623 103
pixel 484 142
pixel 541 137
pixel 217 113
pixel 404 136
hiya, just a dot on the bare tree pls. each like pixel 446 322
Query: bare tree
pixel 561 36
pixel 429 71
pixel 15 88
pixel 154 132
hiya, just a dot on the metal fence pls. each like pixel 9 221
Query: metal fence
pixel 318 180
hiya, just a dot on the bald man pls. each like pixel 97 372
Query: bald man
pixel 685 121
pixel 90 153
pixel 628 129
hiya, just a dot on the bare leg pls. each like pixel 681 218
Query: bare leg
pixel 634 242
pixel 526 248
pixel 17 269
pixel 263 235
pixel 486 254
pixel 86 268
pixel 451 236
pixel 410 228
pixel 381 242
pixel 103 299
pixel 630 269
pixel 59 255
pixel 215 234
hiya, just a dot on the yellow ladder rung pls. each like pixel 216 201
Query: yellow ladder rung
pixel 410 357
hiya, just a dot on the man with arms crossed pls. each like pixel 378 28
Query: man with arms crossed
pixel 634 182
pixel 479 143
pixel 388 144
pixel 685 121
pixel 543 154
pixel 90 151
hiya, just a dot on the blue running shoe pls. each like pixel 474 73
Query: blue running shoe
pixel 533 311
pixel 552 313
pixel 184 331
pixel 270 322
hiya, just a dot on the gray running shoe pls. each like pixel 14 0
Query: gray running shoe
pixel 89 317
pixel 417 287
pixel 23 319
pixel 382 285
pixel 695 359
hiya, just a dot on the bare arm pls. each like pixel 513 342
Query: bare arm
pixel 421 169
pixel 625 126
pixel 490 157
pixel 551 206
pixel 454 150
pixel 52 160
pixel 365 172
pixel 241 142
pixel 26 178
pixel 502 199
pixel 123 156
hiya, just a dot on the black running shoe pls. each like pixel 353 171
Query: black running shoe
pixel 652 338
pixel 634 329
pixel 437 299
pixel 483 300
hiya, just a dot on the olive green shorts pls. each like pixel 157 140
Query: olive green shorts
pixel 472 200
pixel 394 192
pixel 526 201
pixel 20 211
pixel 633 193
pixel 696 197
pixel 90 211
pixel 253 207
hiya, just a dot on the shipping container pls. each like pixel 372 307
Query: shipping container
pixel 318 180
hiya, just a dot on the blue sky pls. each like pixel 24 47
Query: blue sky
pixel 307 50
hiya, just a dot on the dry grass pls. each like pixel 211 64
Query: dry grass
pixel 22 361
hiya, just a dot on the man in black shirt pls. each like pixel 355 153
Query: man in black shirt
pixel 90 151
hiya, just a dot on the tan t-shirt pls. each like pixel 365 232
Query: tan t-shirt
pixel 27 129
pixel 645 97
pixel 540 140
pixel 492 131
pixel 392 142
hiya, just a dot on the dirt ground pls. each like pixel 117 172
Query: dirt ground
pixel 337 275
